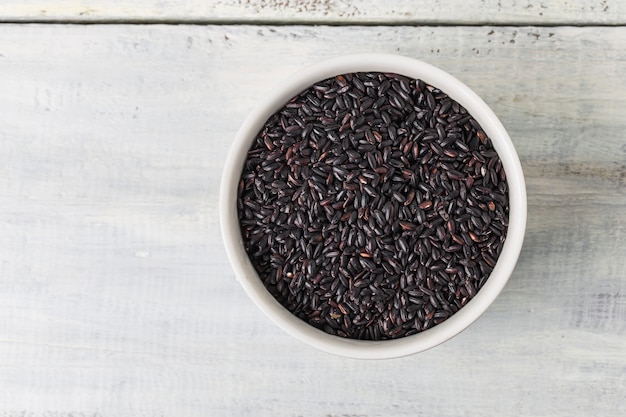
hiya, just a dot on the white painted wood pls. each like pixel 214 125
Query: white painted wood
pixel 398 12
pixel 116 298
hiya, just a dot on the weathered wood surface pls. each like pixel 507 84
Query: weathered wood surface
pixel 397 12
pixel 116 297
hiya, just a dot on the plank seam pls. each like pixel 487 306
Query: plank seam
pixel 210 22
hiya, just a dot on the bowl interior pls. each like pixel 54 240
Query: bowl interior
pixel 246 273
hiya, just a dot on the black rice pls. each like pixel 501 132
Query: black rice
pixel 373 206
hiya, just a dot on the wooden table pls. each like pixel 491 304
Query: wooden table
pixel 116 298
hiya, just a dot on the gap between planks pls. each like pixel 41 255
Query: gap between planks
pixel 275 22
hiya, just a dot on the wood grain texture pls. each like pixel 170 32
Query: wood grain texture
pixel 398 12
pixel 116 296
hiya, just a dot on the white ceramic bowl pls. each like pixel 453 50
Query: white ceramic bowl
pixel 249 279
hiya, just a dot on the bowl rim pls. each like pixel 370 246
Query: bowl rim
pixel 277 98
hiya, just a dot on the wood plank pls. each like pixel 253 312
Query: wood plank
pixel 116 295
pixel 400 12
